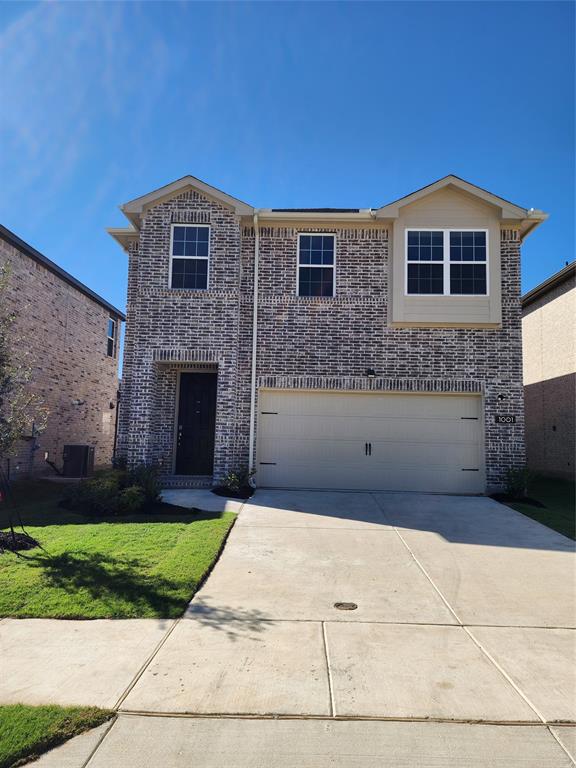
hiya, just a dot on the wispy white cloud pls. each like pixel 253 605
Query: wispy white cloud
pixel 68 77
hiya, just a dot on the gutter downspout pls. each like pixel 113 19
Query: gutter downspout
pixel 251 467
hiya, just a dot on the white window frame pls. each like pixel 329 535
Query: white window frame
pixel 113 338
pixel 298 265
pixel 446 261
pixel 197 258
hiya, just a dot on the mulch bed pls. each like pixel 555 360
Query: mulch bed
pixel 242 493
pixel 505 498
pixel 16 542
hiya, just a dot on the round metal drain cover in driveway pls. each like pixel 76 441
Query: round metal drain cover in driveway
pixel 345 606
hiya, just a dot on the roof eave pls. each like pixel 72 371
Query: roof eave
pixel 531 222
pixel 268 214
pixel 24 247
pixel 542 289
pixel 123 235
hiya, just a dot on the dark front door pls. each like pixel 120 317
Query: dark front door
pixel 196 423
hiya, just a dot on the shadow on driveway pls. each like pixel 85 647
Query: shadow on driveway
pixel 458 519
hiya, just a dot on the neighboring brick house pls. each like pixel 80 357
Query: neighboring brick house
pixel 387 351
pixel 549 342
pixel 70 337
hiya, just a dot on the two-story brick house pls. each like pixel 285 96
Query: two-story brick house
pixel 68 336
pixel 325 348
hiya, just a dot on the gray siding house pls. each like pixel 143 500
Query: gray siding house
pixel 325 348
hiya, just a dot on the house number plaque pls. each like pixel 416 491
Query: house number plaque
pixel 502 419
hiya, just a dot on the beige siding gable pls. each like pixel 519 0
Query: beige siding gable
pixel 446 209
pixel 549 334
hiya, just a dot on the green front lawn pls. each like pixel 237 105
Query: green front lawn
pixel 27 732
pixel 558 498
pixel 119 567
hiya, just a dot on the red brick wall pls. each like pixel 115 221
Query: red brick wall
pixel 63 334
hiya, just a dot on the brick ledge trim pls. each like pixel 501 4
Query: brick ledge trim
pixel 364 384
pixel 186 356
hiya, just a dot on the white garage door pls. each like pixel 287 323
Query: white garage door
pixel 370 441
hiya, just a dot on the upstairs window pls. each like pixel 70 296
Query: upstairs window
pixel 316 254
pixel 111 340
pixel 468 263
pixel 189 256
pixel 426 262
pixel 446 262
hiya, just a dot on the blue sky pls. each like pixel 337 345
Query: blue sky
pixel 279 104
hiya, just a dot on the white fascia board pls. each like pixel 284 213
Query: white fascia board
pixel 134 208
pixel 123 235
pixel 270 214
pixel 531 222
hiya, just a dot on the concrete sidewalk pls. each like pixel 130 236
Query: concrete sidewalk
pixel 170 742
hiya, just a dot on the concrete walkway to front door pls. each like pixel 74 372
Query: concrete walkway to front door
pixel 465 614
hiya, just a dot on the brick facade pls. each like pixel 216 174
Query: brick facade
pixel 324 343
pixel 63 333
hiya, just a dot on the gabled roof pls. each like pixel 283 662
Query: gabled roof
pixel 507 210
pixel 525 219
pixel 23 247
pixel 134 208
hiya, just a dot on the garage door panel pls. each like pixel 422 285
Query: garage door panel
pixel 412 429
pixel 312 449
pixel 325 427
pixel 409 455
pixel 397 479
pixel 393 453
pixel 368 405
pixel 417 442
pixel 439 431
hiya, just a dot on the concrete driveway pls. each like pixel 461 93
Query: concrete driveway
pixel 465 614
pixel 465 611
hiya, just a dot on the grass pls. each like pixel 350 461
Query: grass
pixel 144 566
pixel 558 498
pixel 26 732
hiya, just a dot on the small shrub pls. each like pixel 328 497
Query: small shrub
pixel 131 500
pixel 517 482
pixel 97 495
pixel 232 481
pixel 236 484
pixel 235 481
pixel 119 462
pixel 145 476
pixel 116 491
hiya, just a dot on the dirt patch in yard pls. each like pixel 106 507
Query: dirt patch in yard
pixel 16 542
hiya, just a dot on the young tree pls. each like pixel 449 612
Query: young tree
pixel 21 411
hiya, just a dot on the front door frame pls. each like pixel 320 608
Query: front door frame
pixel 191 369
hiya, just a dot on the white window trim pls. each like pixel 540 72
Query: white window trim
pixel 446 262
pixel 298 265
pixel 112 338
pixel 197 258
